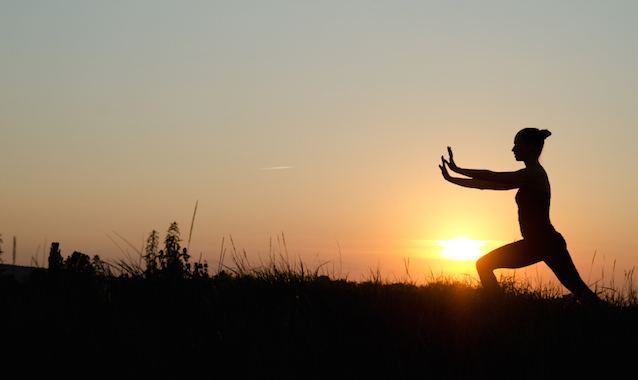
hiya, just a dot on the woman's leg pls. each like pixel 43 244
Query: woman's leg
pixel 514 255
pixel 552 250
pixel 560 262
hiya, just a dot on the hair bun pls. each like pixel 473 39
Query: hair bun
pixel 545 133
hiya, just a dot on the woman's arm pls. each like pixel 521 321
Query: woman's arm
pixel 473 182
pixel 510 180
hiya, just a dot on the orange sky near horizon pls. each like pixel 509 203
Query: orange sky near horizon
pixel 325 122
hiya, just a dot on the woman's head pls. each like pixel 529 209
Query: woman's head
pixel 529 142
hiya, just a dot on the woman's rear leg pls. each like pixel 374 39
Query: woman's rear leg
pixel 560 262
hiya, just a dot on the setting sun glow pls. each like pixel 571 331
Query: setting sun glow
pixel 462 249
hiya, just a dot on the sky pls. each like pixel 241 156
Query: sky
pixel 317 124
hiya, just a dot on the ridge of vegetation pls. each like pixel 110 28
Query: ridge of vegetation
pixel 162 315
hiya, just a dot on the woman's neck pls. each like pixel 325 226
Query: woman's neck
pixel 532 163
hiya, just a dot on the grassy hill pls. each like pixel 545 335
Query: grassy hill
pixel 282 321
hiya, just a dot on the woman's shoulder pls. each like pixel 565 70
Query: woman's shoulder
pixel 537 178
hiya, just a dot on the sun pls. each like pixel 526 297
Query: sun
pixel 462 249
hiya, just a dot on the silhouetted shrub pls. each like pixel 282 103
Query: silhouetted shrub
pixel 78 263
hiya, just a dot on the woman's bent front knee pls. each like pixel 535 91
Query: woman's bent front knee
pixel 483 265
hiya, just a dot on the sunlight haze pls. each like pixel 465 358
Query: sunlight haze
pixel 462 249
pixel 324 121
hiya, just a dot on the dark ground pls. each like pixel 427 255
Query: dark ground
pixel 114 327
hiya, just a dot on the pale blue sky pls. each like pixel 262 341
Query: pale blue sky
pixel 119 116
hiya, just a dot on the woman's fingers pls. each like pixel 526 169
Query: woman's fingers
pixel 451 163
pixel 443 167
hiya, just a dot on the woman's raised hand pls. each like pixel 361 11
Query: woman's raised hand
pixel 451 163
pixel 446 175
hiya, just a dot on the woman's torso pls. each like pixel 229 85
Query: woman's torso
pixel 533 212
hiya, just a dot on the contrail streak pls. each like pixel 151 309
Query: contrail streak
pixel 277 168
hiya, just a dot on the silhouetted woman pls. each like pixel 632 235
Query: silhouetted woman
pixel 540 241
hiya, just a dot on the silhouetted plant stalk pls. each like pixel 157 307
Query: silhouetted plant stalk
pixel 152 253
pixel 222 256
pixel 34 259
pixel 190 234
pixel 171 259
pixel 55 258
